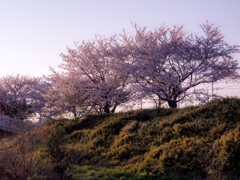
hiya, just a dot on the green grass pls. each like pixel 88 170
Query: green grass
pixel 97 173
pixel 90 173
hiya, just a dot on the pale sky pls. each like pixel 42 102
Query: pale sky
pixel 33 33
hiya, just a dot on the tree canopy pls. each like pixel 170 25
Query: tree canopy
pixel 97 76
pixel 170 62
pixel 22 95
pixel 166 63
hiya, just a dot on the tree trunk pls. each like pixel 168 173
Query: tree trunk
pixel 74 112
pixel 159 102
pixel 172 104
pixel 107 108
pixel 113 110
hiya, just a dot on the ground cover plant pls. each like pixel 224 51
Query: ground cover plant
pixel 197 142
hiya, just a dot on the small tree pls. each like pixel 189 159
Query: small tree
pixel 66 96
pixel 170 62
pixel 21 95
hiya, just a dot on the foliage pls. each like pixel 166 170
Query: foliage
pixel 195 141
pixel 169 62
pixel 18 154
pixel 98 76
pixel 92 68
pixel 66 97
pixel 89 172
pixel 165 64
pixel 191 143
pixel 22 96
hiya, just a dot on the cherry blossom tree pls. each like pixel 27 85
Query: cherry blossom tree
pixel 93 62
pixel 67 96
pixel 21 95
pixel 170 63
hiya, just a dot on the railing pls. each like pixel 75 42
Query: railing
pixel 10 124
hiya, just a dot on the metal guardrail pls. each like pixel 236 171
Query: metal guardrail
pixel 11 124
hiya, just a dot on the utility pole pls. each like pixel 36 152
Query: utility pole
pixel 1 106
pixel 1 112
pixel 212 90
pixel 208 95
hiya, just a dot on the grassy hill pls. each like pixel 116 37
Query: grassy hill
pixel 189 143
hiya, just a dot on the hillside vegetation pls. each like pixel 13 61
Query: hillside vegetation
pixel 190 143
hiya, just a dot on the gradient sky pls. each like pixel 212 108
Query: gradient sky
pixel 34 33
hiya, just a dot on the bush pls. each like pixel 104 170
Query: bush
pixel 189 143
